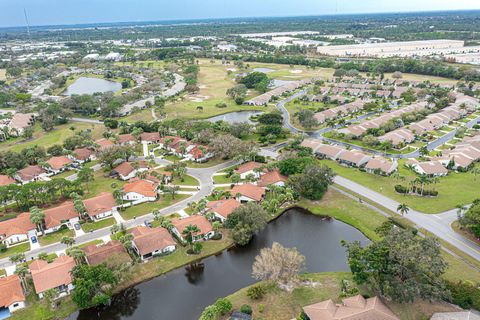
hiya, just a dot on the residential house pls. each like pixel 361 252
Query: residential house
pixel 150 137
pixel 6 180
pixel 148 242
pixel 381 165
pixel 55 275
pixel 247 193
pixel 311 143
pixel 398 137
pixel 62 215
pixel 248 168
pixel 272 178
pixel 206 231
pixel 19 122
pixel 101 206
pixel 128 170
pixel 326 151
pixel 17 230
pixel 353 308
pixel 98 254
pixel 200 154
pixel 58 164
pixel 104 144
pixel 12 297
pixel 82 155
pixel 353 158
pixel 30 174
pixel 429 168
pixel 222 208
pixel 140 190
pixel 126 139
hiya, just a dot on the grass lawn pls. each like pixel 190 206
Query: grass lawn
pixel 187 181
pixel 147 207
pixel 282 305
pixel 172 158
pixel 222 179
pixel 338 206
pixel 56 136
pixel 40 309
pixel 3 74
pixel 55 236
pixel 64 174
pixel 141 115
pixel 15 249
pixel 102 184
pixel 96 242
pixel 454 189
pixel 210 163
pixel 91 226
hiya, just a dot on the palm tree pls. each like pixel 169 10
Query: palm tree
pixel 403 209
pixel 118 195
pixel 36 217
pixel 68 241
pixel 475 172
pixel 22 272
pixel 85 175
pixel 189 232
pixel 126 240
pixel 42 256
pixel 77 254
pixel 172 190
pixel 16 258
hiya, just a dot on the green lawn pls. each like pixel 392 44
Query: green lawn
pixel 222 179
pixel 172 158
pixel 64 174
pixel 92 226
pixel 147 207
pixel 210 163
pixel 102 184
pixel 20 248
pixel 454 189
pixel 187 181
pixel 55 236
pixel 96 242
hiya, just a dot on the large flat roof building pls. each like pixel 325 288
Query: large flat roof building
pixel 398 49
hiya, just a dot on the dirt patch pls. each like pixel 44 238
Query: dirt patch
pixel 232 69
pixel 297 71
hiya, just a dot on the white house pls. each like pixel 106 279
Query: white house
pixel 148 242
pixel 140 190
pixel 248 193
pixel 62 215
pixel 248 168
pixel 206 231
pixel 127 170
pixel 101 206
pixel 55 275
pixel 12 297
pixel 17 230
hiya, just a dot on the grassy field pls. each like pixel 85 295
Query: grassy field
pixel 15 249
pixel 55 236
pixel 187 181
pixel 210 163
pixel 147 207
pixel 92 226
pixel 282 305
pixel 3 75
pixel 454 189
pixel 419 77
pixel 222 179
pixel 56 136
pixel 102 184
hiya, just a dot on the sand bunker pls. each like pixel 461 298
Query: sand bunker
pixel 296 71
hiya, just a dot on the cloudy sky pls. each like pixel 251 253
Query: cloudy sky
pixel 50 12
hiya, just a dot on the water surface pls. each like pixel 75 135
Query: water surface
pixel 86 85
pixel 235 117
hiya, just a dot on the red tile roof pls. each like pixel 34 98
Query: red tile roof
pixel 249 190
pixel 104 144
pixel 55 216
pixel 271 177
pixel 125 168
pixel 99 254
pixel 248 166
pixel 143 187
pixel 6 180
pixel 102 203
pixel 18 225
pixel 10 291
pixel 51 275
pixel 122 138
pixel 57 163
pixel 223 207
pixel 200 221
pixel 148 240
pixel 150 136
pixel 30 172
pixel 82 154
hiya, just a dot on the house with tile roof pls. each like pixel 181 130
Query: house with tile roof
pixel 149 242
pixel 353 158
pixel 128 170
pixel 126 139
pixel 30 174
pixel 380 165
pixel 98 254
pixel 58 164
pixel 55 275
pixel 17 230
pixel 325 151
pixel 6 180
pixel 247 193
pixel 429 168
pixel 248 168
pixel 19 122
pixel 222 208
pixel 356 307
pixel 104 144
pixel 150 137
pixel 62 215
pixel 272 178
pixel 82 155
pixel 140 190
pixel 11 293
pixel 206 230
pixel 101 206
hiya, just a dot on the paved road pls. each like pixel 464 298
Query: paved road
pixel 92 121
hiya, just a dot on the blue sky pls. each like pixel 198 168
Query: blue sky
pixel 44 12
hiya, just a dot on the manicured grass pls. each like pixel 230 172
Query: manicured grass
pixel 454 189
pixel 64 174
pixel 210 163
pixel 187 181
pixel 56 136
pixel 41 310
pixel 55 236
pixel 92 226
pixel 338 206
pixel 147 207
pixel 83 245
pixel 15 249
pixel 172 158
pixel 222 179
pixel 102 184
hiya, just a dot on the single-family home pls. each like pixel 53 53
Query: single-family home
pixel 82 155
pixel 140 190
pixel 150 137
pixel 222 208
pixel 248 168
pixel 19 122
pixel 248 192
pixel 311 143
pixel 55 275
pixel 101 206
pixel 353 158
pixel 272 178
pixel 429 168
pixel 126 139
pixel 30 174
pixel 98 254
pixel 17 230
pixel 64 214
pixel 128 170
pixel 58 164
pixel 398 137
pixel 381 165
pixel 326 151
pixel 104 144
pixel 356 307
pixel 199 154
pixel 12 297
pixel 206 231
pixel 6 180
pixel 148 242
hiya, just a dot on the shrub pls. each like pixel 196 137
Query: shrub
pixel 256 292
pixel 3 247
pixel 221 105
pixel 465 295
pixel 210 313
pixel 261 308
pixel 223 306
pixel 401 189
pixel 246 308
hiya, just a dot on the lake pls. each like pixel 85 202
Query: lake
pixel 185 292
pixel 86 85
pixel 235 117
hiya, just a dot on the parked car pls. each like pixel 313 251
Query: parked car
pixel 34 239
pixel 77 226
pixel 147 224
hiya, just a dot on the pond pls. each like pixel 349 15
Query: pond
pixel 264 70
pixel 235 117
pixel 86 85
pixel 275 83
pixel 185 292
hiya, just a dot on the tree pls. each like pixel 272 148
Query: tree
pixel 22 271
pixel 252 80
pixel 471 219
pixel 228 147
pixel 77 254
pixel 245 221
pixel 237 93
pixel 313 182
pixel 403 209
pixel 278 264
pixel 306 118
pixel 93 285
pixel 85 175
pixel 36 217
pixel 27 133
pixel 401 267
pixel 172 190
pixel 189 232
pixel 16 258
pixel 68 241
pixel 272 118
